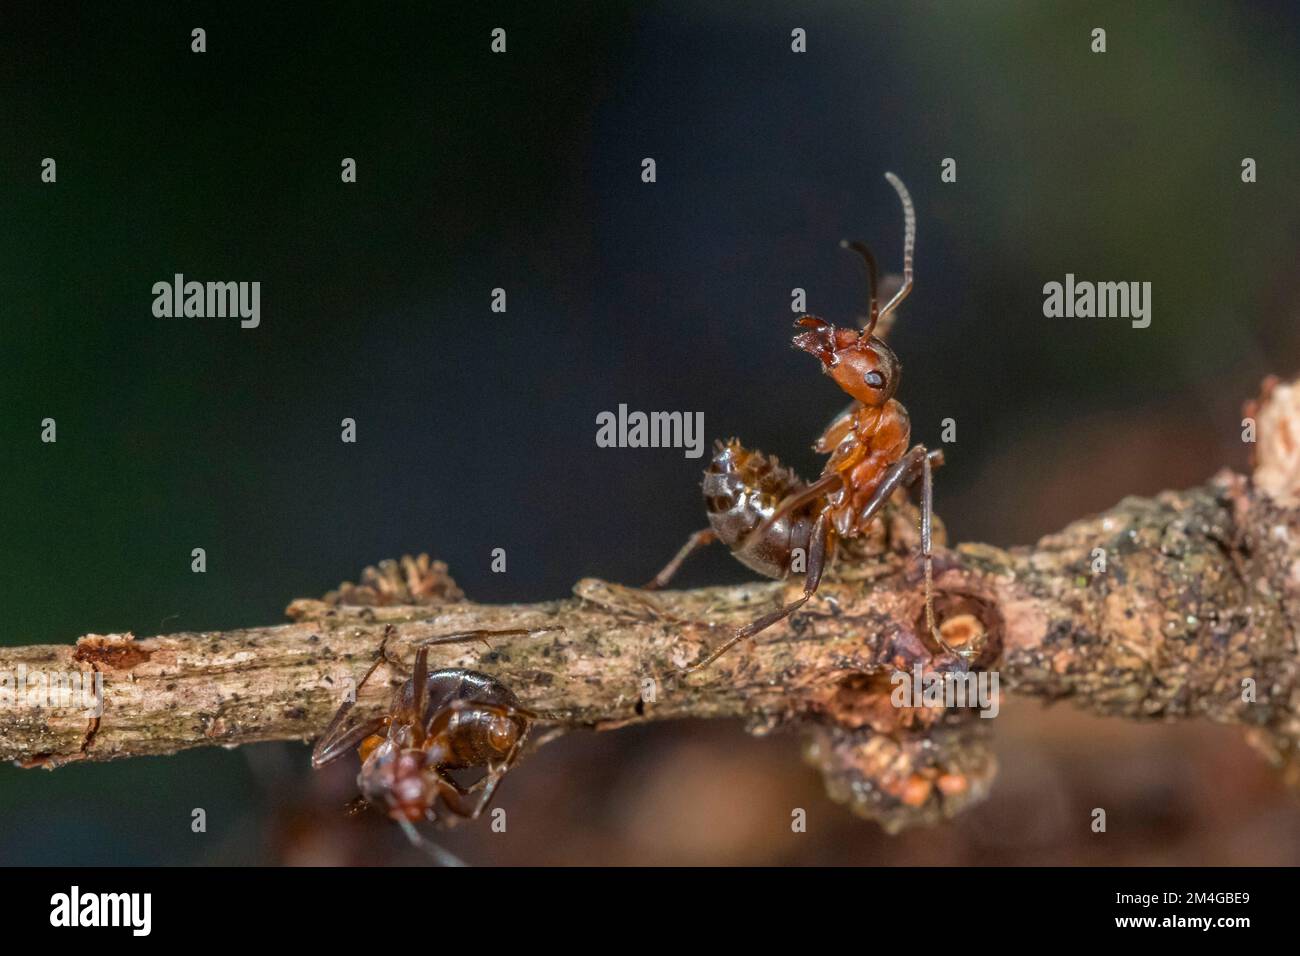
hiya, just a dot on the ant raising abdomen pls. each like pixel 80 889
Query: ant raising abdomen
pixel 439 721
pixel 765 513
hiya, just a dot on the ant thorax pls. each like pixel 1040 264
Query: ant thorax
pixel 864 446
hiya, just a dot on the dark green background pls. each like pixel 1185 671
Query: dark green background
pixel 476 431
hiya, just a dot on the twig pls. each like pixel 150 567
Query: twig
pixel 1194 615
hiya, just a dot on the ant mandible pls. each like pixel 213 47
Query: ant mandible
pixel 439 721
pixel 763 512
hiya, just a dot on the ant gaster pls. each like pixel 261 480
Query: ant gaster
pixel 439 721
pixel 764 512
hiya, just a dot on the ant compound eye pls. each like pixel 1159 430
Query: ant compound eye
pixel 874 379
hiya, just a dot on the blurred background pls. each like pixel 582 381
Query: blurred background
pixel 476 431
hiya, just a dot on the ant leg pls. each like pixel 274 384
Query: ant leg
pixel 336 741
pixel 440 720
pixel 927 513
pixel 419 687
pixel 485 787
pixel 918 457
pixel 897 474
pixel 901 472
pixel 823 485
pixel 482 634
pixel 455 797
pixel 700 539
pixel 489 787
pixel 443 857
pixel 542 716
pixel 328 749
pixel 457 800
pixel 822 543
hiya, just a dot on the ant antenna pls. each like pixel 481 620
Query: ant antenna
pixel 443 857
pixel 909 243
pixel 870 261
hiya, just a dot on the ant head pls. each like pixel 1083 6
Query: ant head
pixel 861 364
pixel 394 780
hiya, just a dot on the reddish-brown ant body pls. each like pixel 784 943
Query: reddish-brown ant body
pixel 766 514
pixel 439 721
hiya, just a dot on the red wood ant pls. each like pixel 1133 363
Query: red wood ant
pixel 764 512
pixel 439 721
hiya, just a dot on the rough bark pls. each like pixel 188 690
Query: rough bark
pixel 1194 615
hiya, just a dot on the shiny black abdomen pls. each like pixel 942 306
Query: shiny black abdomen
pixel 482 699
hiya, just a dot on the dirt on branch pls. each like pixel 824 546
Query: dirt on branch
pixel 1185 605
